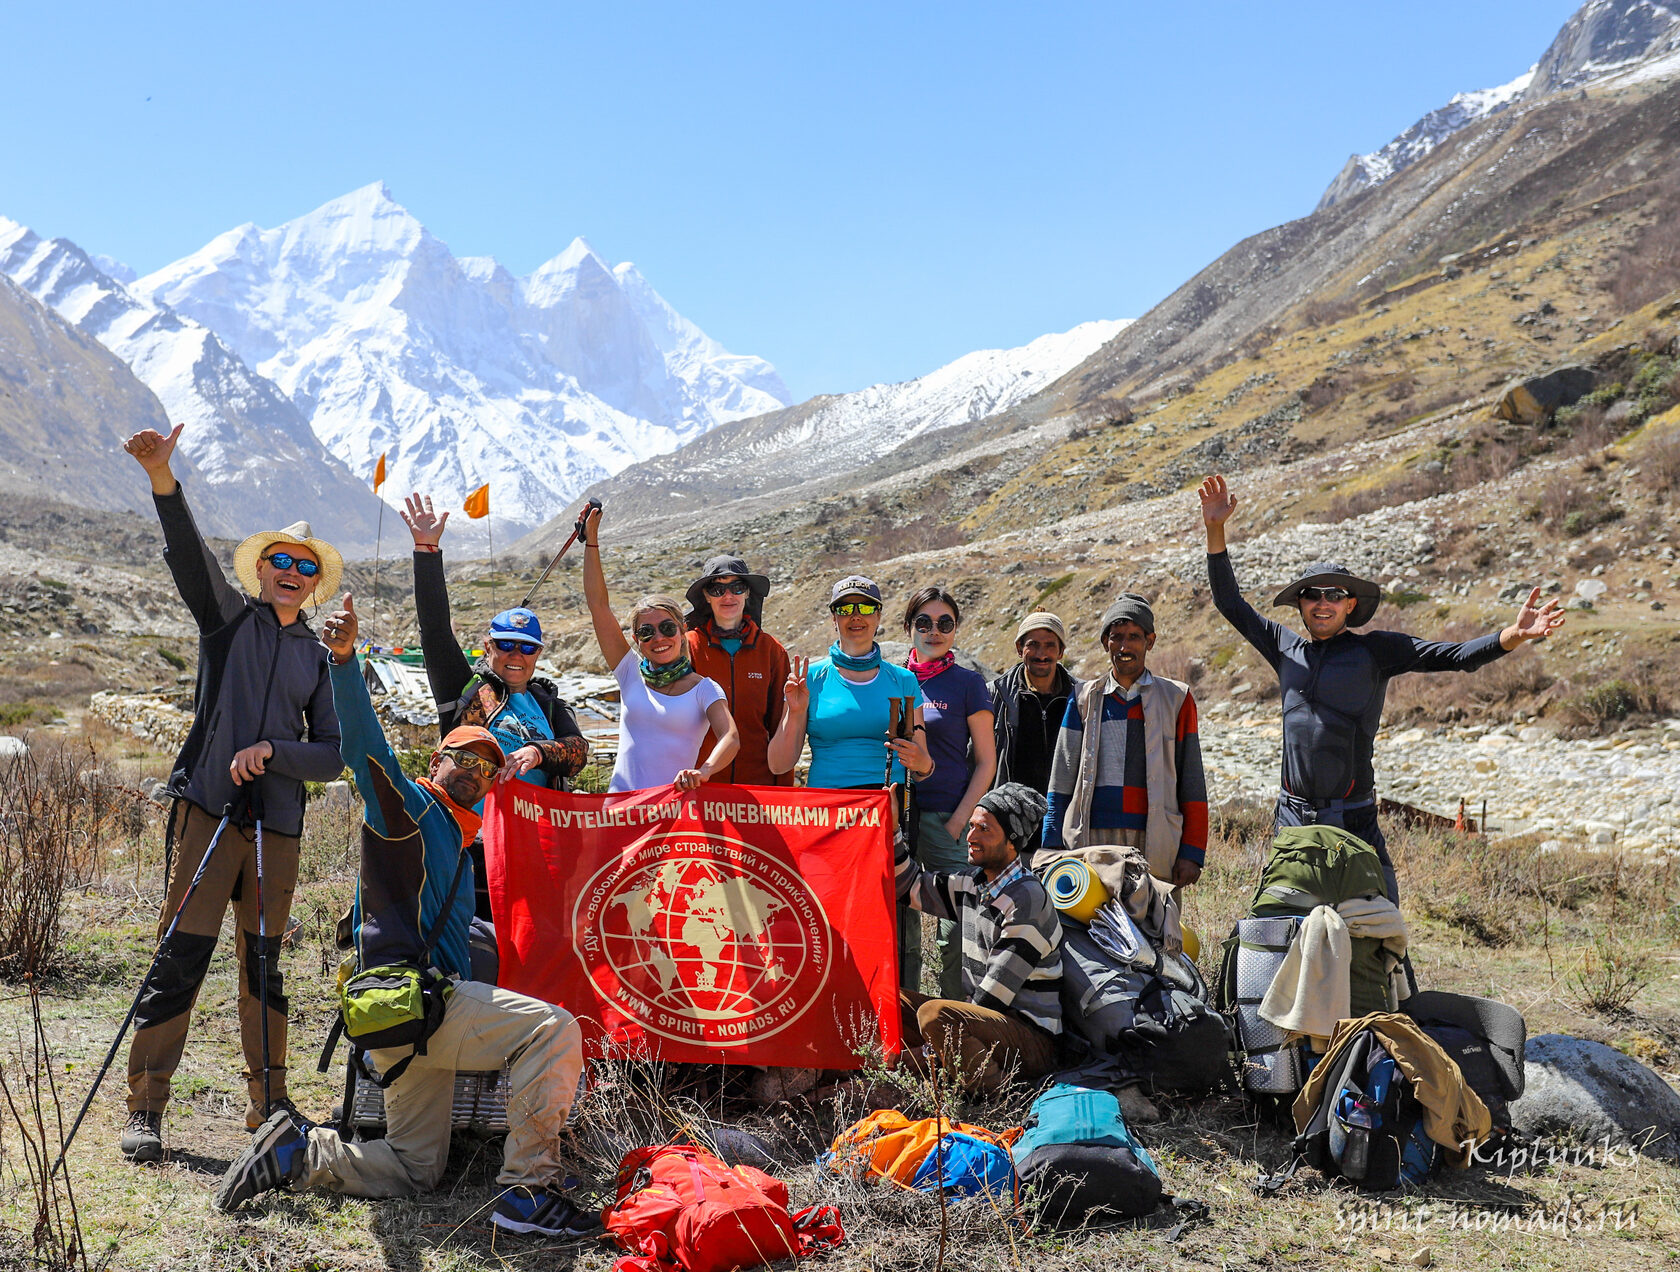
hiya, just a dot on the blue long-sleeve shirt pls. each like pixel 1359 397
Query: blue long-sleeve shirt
pixel 412 844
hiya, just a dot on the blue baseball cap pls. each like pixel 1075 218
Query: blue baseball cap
pixel 516 624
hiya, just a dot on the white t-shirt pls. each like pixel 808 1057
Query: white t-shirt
pixel 659 734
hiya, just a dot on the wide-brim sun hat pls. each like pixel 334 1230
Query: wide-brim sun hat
pixel 1367 594
pixel 247 554
pixel 700 605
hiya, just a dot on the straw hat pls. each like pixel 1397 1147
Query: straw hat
pixel 246 555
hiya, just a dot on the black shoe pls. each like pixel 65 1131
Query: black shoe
pixel 273 1159
pixel 547 1211
pixel 142 1137
pixel 284 1102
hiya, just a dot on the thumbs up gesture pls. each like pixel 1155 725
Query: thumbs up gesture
pixel 338 633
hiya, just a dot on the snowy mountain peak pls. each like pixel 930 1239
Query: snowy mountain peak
pixel 462 372
pixel 1603 38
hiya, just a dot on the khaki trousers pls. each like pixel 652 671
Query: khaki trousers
pixel 160 1033
pixel 980 1046
pixel 483 1028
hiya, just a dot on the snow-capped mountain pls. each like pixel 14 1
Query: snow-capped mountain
pixel 240 431
pixel 463 372
pixel 838 433
pixel 1603 39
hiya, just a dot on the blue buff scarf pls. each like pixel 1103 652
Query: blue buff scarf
pixel 869 662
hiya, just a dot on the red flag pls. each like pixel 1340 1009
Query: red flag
pixel 379 472
pixel 478 505
pixel 753 925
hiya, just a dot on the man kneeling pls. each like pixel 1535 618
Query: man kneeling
pixel 1011 1010
pixel 414 869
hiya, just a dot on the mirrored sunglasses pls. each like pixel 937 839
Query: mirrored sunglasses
pixel 668 627
pixel 945 623
pixel 528 648
pixel 737 588
pixel 1325 594
pixel 286 561
pixel 856 607
pixel 472 762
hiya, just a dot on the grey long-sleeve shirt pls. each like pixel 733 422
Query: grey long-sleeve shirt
pixel 257 681
pixel 1333 689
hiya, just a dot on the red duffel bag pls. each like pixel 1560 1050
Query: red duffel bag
pixel 679 1207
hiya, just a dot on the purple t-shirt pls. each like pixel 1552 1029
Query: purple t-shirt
pixel 950 698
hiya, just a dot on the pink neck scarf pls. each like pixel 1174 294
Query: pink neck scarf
pixel 926 671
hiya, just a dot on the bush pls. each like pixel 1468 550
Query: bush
pixel 55 804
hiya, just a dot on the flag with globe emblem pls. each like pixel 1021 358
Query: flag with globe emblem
pixel 730 923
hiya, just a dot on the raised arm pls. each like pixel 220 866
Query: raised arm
pixel 447 668
pixel 608 634
pixel 210 598
pixel 789 739
pixel 1269 638
pixel 388 794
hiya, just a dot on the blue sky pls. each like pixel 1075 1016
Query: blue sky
pixel 859 193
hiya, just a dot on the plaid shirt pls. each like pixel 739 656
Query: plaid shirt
pixel 1011 934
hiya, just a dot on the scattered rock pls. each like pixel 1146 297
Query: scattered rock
pixel 1590 590
pixel 1588 1091
pixel 12 748
pixel 1533 400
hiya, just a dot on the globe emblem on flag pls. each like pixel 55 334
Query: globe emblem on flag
pixel 703 940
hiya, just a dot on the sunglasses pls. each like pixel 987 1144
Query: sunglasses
pixel 666 628
pixel 737 588
pixel 1325 594
pixel 528 648
pixel 286 561
pixel 471 762
pixel 849 608
pixel 945 623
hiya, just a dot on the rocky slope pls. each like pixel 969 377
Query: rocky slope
pixel 464 373
pixel 255 458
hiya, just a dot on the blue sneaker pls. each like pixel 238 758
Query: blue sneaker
pixel 273 1159
pixel 548 1211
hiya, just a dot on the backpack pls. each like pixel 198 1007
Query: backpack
pixel 679 1207
pixel 1082 1161
pixel 887 1145
pixel 1368 1126
pixel 1486 1039
pixel 1150 1011
pixel 1308 866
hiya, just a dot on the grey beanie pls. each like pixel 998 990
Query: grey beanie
pixel 1019 809
pixel 1129 607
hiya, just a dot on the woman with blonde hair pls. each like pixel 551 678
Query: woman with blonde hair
pixel 667 706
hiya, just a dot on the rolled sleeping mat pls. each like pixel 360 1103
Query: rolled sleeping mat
pixel 1075 890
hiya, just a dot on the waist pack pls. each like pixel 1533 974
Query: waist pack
pixel 679 1207
pixel 887 1145
pixel 1081 1161
pixel 1150 1010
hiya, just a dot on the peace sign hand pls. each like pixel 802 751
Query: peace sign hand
pixel 797 690
pixel 425 525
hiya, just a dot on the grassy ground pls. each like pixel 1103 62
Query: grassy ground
pixel 1581 944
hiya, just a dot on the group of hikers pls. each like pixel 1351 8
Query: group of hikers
pixel 1002 780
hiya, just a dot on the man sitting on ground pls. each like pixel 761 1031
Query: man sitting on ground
pixel 415 867
pixel 1029 701
pixel 1011 1009
pixel 1334 680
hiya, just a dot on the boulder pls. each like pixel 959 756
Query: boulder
pixel 12 748
pixel 1532 401
pixel 1588 1092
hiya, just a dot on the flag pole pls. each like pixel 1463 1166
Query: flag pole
pixel 379 532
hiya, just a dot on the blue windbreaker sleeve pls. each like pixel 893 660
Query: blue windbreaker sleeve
pixel 364 748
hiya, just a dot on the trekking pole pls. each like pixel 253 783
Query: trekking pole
pixel 262 946
pixel 174 922
pixel 577 533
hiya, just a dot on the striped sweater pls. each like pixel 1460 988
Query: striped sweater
pixel 1011 934
pixel 1120 797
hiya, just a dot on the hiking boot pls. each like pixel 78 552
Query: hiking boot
pixel 273 1159
pixel 142 1137
pixel 254 1118
pixel 548 1211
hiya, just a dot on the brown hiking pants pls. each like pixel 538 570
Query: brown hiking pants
pixel 160 1024
pixel 980 1046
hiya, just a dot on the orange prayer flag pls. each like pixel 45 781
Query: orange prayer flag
pixel 478 503
pixel 379 472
